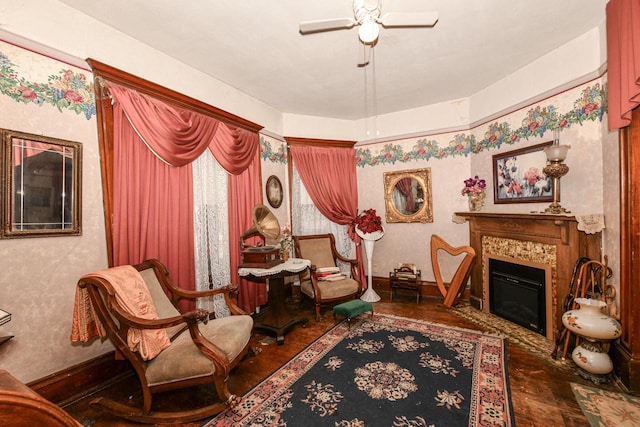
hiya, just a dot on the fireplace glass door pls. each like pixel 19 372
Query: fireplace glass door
pixel 517 293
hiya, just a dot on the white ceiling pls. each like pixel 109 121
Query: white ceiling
pixel 255 46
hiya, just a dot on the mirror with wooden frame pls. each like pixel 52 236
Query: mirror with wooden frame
pixel 407 196
pixel 41 185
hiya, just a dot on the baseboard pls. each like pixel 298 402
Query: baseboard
pixel 427 289
pixel 81 380
pixel 626 367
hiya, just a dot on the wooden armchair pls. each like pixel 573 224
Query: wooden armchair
pixel 192 348
pixel 320 249
pixel 22 407
pixel 453 290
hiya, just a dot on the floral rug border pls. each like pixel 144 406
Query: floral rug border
pixel 490 348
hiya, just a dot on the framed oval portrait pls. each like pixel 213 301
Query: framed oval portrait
pixel 274 191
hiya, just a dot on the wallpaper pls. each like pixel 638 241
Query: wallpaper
pixel 38 276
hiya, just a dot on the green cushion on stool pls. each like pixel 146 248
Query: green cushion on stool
pixel 352 308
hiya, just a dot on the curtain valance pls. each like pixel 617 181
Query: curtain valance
pixel 178 136
pixel 623 60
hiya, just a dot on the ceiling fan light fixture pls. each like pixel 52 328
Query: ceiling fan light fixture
pixel 368 31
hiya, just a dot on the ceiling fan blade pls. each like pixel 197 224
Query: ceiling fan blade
pixel 418 19
pixel 326 25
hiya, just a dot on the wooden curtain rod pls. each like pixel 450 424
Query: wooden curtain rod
pixel 107 74
pixel 292 140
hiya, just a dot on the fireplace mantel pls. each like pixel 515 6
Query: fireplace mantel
pixel 559 231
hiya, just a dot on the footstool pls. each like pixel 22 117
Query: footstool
pixel 351 309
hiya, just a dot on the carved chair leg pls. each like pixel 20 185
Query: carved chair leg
pixel 317 312
pixel 224 394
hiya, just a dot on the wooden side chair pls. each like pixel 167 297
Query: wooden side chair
pixel 174 350
pixel 453 290
pixel 320 249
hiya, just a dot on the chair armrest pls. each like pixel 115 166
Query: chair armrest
pixel 197 316
pixel 313 278
pixel 136 322
pixel 231 289
pixel 351 261
pixel 212 351
pixel 353 266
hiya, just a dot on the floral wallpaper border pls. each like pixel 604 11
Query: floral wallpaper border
pixel 69 90
pixel 66 91
pixel 267 152
pixel 591 105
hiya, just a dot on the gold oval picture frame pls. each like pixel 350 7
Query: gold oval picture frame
pixel 407 196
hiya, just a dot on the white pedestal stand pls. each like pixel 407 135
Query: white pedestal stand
pixel 369 239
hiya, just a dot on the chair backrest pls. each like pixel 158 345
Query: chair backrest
pixel 104 295
pixel 317 248
pixel 318 251
pixel 164 307
pixel 461 275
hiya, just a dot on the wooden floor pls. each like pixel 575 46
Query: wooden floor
pixel 540 392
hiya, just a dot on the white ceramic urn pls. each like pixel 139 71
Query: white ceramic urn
pixel 590 322
pixel 593 325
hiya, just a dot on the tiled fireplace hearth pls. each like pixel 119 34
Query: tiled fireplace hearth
pixel 552 243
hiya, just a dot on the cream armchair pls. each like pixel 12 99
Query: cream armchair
pixel 320 249
pixel 168 350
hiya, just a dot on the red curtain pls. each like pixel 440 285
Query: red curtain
pixel 152 207
pixel 25 148
pixel 404 186
pixel 176 136
pixel 623 60
pixel 332 187
pixel 244 193
pixel 237 152
pixel 154 146
pixel 235 149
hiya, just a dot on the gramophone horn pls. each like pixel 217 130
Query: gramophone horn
pixel 265 224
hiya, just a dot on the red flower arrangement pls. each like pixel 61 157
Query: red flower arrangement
pixel 368 221
pixel 473 186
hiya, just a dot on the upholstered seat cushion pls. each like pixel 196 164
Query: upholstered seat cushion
pixel 182 359
pixel 353 308
pixel 330 290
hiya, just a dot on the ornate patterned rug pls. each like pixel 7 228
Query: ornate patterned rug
pixel 386 371
pixel 605 408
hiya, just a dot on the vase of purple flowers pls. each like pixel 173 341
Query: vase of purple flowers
pixel 474 188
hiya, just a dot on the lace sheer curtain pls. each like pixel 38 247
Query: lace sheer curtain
pixel 307 219
pixel 211 230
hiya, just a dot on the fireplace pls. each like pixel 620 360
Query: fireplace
pixel 552 243
pixel 517 293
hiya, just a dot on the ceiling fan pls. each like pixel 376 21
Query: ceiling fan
pixel 367 15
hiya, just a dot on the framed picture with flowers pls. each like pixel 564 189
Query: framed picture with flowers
pixel 518 176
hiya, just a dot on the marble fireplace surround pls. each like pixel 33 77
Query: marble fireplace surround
pixel 550 242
